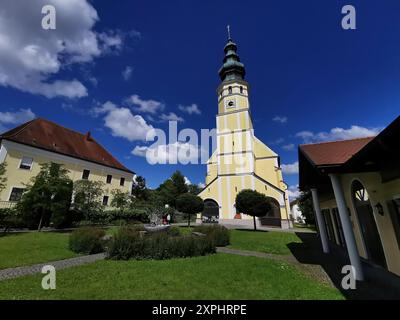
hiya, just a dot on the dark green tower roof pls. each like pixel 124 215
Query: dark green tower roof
pixel 232 69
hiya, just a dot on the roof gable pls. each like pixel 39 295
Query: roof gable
pixel 47 135
pixel 334 152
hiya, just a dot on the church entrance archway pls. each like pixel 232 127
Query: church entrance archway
pixel 210 212
pixel 273 216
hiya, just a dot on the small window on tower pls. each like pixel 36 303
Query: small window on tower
pixel 230 90
pixel 241 89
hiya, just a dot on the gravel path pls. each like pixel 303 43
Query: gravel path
pixel 58 265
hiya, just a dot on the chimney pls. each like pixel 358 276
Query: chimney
pixel 88 137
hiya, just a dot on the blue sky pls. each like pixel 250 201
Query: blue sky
pixel 149 60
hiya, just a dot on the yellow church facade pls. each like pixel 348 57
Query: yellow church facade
pixel 241 160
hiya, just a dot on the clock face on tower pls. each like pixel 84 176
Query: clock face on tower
pixel 230 103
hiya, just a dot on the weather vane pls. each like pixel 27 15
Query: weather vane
pixel 229 31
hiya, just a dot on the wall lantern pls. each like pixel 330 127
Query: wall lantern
pixel 379 208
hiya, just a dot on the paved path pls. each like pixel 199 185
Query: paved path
pixel 60 264
pixel 314 271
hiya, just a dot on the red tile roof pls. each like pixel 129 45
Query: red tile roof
pixel 335 152
pixel 47 135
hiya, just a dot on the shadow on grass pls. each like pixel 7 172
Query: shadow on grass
pixel 252 230
pixel 380 283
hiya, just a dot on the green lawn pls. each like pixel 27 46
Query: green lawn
pixel 218 276
pixel 35 247
pixel 269 242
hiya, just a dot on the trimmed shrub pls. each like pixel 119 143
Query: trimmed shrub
pixel 131 244
pixel 174 231
pixel 10 218
pixel 124 244
pixel 87 240
pixel 218 234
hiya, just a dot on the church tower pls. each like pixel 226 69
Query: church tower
pixel 240 161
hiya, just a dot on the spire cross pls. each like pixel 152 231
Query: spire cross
pixel 229 31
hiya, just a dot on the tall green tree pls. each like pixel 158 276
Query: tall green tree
pixel 306 207
pixel 172 188
pixel 120 200
pixel 47 198
pixel 3 178
pixel 139 189
pixel 87 199
pixel 252 203
pixel 179 181
pixel 167 193
pixel 194 189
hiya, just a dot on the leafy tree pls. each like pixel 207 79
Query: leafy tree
pixel 10 218
pixel 139 189
pixel 189 204
pixel 252 203
pixel 48 198
pixel 3 179
pixel 306 207
pixel 167 193
pixel 194 189
pixel 179 181
pixel 170 189
pixel 120 200
pixel 87 198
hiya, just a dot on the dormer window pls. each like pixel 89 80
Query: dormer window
pixel 26 163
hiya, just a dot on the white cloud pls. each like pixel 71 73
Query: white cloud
pixel 111 41
pixel 187 181
pixel 201 185
pixel 288 147
pixel 338 134
pixel 291 168
pixel 171 117
pixel 15 118
pixel 178 152
pixel 123 123
pixel 127 73
pixel 192 109
pixel 145 106
pixel 293 192
pixel 280 119
pixel 31 57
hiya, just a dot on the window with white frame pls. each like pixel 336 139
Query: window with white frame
pixel 26 163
